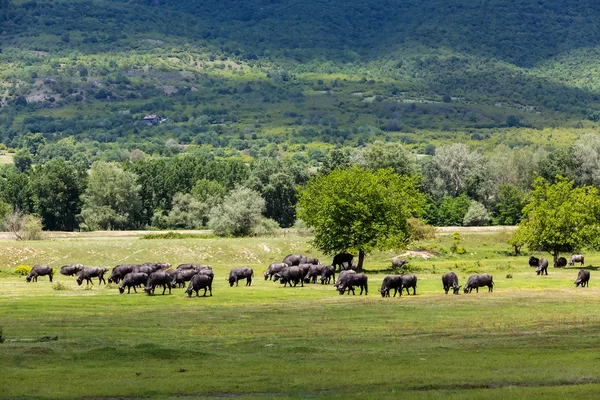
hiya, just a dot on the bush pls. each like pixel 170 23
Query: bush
pixel 302 229
pixel 265 227
pixel 239 214
pixel 60 286
pixel 24 226
pixel 476 215
pixel 23 270
pixel 420 230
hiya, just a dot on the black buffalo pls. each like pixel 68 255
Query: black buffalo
pixel 542 268
pixel 131 280
pixel 398 262
pixel 237 274
pixel 583 278
pixel 91 272
pixel 119 272
pixel 390 282
pixel 304 268
pixel 534 261
pixel 39 270
pixel 478 280
pixel 327 274
pixel 342 260
pixel 199 281
pixel 450 281
pixel 273 269
pixel 71 269
pixel 294 259
pixel 313 261
pixel 159 278
pixel 576 258
pixel 408 281
pixel 184 275
pixel 349 281
pixel 561 262
pixel 289 275
pixel 313 272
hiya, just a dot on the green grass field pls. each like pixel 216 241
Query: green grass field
pixel 533 337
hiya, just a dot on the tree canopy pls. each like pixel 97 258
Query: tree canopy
pixel 560 217
pixel 360 210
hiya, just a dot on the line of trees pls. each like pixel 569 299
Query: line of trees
pixel 459 186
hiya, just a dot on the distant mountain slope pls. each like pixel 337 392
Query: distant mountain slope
pixel 250 73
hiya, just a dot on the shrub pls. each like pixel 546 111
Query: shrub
pixel 476 215
pixel 266 227
pixel 239 214
pixel 302 229
pixel 23 270
pixel 23 226
pixel 60 286
pixel 420 230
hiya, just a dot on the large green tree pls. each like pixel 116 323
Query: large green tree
pixel 360 210
pixel 560 218
pixel 112 199
pixel 56 188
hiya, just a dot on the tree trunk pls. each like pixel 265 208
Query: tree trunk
pixel 361 259
pixel 555 254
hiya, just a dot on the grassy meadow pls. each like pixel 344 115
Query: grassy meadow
pixel 533 337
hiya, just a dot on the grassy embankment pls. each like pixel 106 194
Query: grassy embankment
pixel 532 337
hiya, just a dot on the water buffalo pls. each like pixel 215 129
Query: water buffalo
pixel 561 262
pixel 576 258
pixel 146 269
pixel 390 282
pixel 207 271
pixel 289 275
pixel 39 270
pixel 304 268
pixel 342 259
pixel 71 269
pixel 542 267
pixel 240 273
pixel 88 273
pixel 158 265
pixel 159 278
pixel 450 280
pixel 119 272
pixel 343 274
pixel 583 278
pixel 131 280
pixel 273 269
pixel 327 273
pixel 294 259
pixel 349 281
pixel 313 272
pixel 199 281
pixel 478 280
pixel 408 281
pixel 398 262
pixel 534 261
pixel 184 275
pixel 193 266
pixel 313 261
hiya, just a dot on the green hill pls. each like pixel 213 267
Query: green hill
pixel 262 75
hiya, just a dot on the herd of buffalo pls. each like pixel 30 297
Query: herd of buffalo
pixel 294 269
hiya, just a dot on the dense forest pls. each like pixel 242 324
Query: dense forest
pixel 199 101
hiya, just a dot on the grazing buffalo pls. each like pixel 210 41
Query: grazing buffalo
pixel 39 270
pixel 289 275
pixel 534 261
pixel 158 265
pixel 193 266
pixel 327 273
pixel 342 260
pixel 390 282
pixel 313 272
pixel 343 274
pixel 184 275
pixel 450 280
pixel 240 273
pixel 131 280
pixel 294 259
pixel 71 269
pixel 349 281
pixel 542 268
pixel 576 258
pixel 478 280
pixel 560 263
pixel 409 281
pixel 313 261
pixel 207 271
pixel 91 272
pixel 273 269
pixel 146 269
pixel 304 268
pixel 119 272
pixel 583 278
pixel 159 278
pixel 398 262
pixel 199 281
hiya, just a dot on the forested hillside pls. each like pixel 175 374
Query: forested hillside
pixel 263 75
